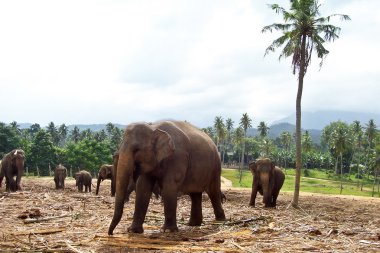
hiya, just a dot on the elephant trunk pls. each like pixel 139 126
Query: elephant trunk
pixel 267 191
pixel 98 184
pixel 124 172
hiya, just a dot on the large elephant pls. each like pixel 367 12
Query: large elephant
pixel 83 178
pixel 60 174
pixel 12 165
pixel 106 171
pixel 267 179
pixel 177 155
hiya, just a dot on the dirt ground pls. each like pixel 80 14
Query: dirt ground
pixel 69 221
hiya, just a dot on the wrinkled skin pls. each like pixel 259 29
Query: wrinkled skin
pixel 177 156
pixel 106 171
pixel 12 165
pixel 83 178
pixel 132 181
pixel 268 180
pixel 60 174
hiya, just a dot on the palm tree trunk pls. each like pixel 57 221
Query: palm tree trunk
pixel 301 75
pixel 341 172
pixel 242 159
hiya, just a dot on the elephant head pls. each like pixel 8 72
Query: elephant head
pixel 142 149
pixel 263 171
pixel 105 172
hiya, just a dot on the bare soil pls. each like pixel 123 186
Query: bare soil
pixel 69 221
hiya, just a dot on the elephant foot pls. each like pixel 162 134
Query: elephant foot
pixel 136 229
pixel 252 204
pixel 194 222
pixel 170 229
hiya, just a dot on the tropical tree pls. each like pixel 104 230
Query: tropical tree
pixel 229 129
pixel 357 131
pixel 75 134
pixel 286 140
pixel 62 134
pixel 263 129
pixel 220 131
pixel 9 139
pixel 340 141
pixel 303 32
pixel 53 131
pixel 307 145
pixel 42 153
pixel 245 123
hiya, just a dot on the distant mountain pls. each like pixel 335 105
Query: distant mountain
pixel 276 130
pixel 319 119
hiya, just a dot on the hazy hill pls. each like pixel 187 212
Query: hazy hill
pixel 320 119
pixel 276 130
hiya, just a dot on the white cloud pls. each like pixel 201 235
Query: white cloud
pixel 124 61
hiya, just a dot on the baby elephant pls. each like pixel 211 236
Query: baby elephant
pixel 83 178
pixel 267 179
pixel 59 176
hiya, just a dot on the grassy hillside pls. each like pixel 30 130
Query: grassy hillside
pixel 318 182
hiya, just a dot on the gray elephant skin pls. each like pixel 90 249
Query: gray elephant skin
pixel 60 174
pixel 83 178
pixel 132 181
pixel 12 165
pixel 180 158
pixel 267 179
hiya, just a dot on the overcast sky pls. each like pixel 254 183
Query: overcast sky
pixel 125 61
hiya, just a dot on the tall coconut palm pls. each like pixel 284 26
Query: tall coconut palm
pixel 307 145
pixel 304 30
pixel 245 123
pixel 341 140
pixel 371 132
pixel 263 129
pixel 286 140
pixel 357 131
pixel 229 128
pixel 220 131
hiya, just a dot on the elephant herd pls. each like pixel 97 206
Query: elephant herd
pixel 165 158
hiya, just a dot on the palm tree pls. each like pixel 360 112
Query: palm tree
pixel 307 145
pixel 371 132
pixel 220 131
pixel 358 140
pixel 229 128
pixel 263 129
pixel 340 139
pixel 301 35
pixel 286 140
pixel 245 123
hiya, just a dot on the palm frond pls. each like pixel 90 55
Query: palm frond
pixel 276 44
pixel 330 32
pixel 277 27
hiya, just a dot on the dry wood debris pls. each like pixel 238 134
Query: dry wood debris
pixel 43 219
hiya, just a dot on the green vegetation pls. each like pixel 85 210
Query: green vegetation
pixel 318 182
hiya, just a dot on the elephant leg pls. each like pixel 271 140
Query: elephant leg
pixel 216 201
pixel 169 198
pixel 144 187
pixel 196 209
pixel 89 187
pixel 253 194
pixel 275 195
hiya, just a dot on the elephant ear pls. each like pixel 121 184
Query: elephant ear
pixel 253 167
pixel 163 145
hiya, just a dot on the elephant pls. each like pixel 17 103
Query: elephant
pixel 83 178
pixel 177 155
pixel 267 179
pixel 106 171
pixel 132 181
pixel 12 165
pixel 59 176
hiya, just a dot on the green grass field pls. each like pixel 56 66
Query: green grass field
pixel 317 182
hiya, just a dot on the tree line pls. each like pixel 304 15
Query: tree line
pixel 45 148
pixel 344 148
